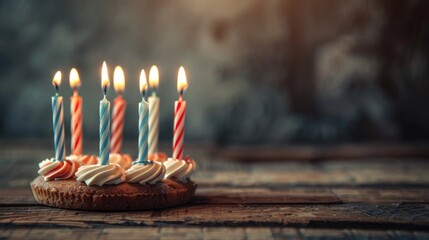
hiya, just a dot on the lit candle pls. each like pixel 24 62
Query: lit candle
pixel 153 111
pixel 143 121
pixel 104 118
pixel 76 114
pixel 179 116
pixel 119 106
pixel 58 120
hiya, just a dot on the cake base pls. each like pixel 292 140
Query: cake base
pixel 71 194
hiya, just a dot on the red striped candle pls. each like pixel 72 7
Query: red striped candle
pixel 179 116
pixel 76 114
pixel 118 116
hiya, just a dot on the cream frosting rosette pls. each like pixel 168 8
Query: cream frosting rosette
pixel 180 169
pixel 88 159
pixel 124 160
pixel 101 174
pixel 152 172
pixel 52 169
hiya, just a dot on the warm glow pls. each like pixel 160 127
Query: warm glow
pixel 153 77
pixel 105 83
pixel 143 81
pixel 74 79
pixel 182 82
pixel 119 79
pixel 57 79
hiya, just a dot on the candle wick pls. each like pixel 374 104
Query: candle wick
pixel 105 90
pixel 56 89
pixel 75 93
pixel 181 95
pixel 143 91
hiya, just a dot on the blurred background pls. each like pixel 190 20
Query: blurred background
pixel 259 72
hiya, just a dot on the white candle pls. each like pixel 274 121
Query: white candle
pixel 153 111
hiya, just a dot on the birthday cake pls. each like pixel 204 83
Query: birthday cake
pixel 112 181
pixel 68 184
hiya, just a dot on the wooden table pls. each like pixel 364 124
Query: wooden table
pixel 328 192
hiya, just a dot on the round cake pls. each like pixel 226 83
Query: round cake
pixel 72 194
pixel 77 183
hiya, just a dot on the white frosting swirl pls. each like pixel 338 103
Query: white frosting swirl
pixel 101 174
pixel 73 157
pixel 124 160
pixel 180 169
pixel 146 173
pixel 52 169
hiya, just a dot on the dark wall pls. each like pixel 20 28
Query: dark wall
pixel 259 71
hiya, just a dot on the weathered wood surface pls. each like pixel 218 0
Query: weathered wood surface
pixel 319 153
pixel 180 233
pixel 289 195
pixel 369 197
pixel 415 216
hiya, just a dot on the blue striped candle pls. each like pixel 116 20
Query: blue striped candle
pixel 58 124
pixel 104 131
pixel 58 120
pixel 104 146
pixel 143 132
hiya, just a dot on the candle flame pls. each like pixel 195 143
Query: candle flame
pixel 74 79
pixel 143 82
pixel 105 83
pixel 119 79
pixel 182 82
pixel 153 77
pixel 57 79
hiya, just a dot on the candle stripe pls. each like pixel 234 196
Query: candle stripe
pixel 179 138
pixel 58 127
pixel 143 132
pixel 76 123
pixel 179 129
pixel 153 124
pixel 179 145
pixel 117 125
pixel 104 132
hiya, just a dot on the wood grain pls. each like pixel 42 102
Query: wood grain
pixel 321 153
pixel 403 216
pixel 190 233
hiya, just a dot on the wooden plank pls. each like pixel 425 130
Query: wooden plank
pixel 396 216
pixel 383 195
pixel 321 153
pixel 190 233
pixel 277 175
pixel 287 195
pixel 23 196
pixel 328 178
pixel 14 197
pixel 259 195
pixel 300 195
